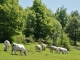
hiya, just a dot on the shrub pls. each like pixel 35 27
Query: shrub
pixel 30 39
pixel 19 38
pixel 66 42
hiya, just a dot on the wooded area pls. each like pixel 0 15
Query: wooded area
pixel 38 23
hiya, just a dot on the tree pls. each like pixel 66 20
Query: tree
pixel 73 27
pixel 40 20
pixel 29 22
pixel 61 16
pixel 9 19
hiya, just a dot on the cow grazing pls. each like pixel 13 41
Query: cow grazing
pixel 38 47
pixel 18 47
pixel 43 46
pixel 54 48
pixel 63 50
pixel 6 45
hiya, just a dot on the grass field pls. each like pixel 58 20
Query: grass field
pixel 43 55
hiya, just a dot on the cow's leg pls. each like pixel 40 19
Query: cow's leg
pixel 20 52
pixel 15 52
pixel 12 51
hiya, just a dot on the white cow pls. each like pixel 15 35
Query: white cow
pixel 63 50
pixel 43 46
pixel 6 45
pixel 18 47
pixel 38 47
pixel 54 48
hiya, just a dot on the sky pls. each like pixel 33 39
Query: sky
pixel 71 5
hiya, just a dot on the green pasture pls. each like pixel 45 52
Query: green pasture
pixel 43 55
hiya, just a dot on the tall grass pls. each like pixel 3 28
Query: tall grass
pixel 43 55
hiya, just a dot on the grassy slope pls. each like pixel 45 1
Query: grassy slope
pixel 33 55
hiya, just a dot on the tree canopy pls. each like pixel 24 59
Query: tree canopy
pixel 38 23
pixel 9 15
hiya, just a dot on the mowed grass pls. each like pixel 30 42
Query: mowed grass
pixel 43 55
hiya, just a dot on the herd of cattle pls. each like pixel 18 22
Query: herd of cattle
pixel 19 47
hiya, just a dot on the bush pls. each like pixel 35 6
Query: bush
pixel 57 42
pixel 49 42
pixel 30 39
pixel 63 40
pixel 66 42
pixel 19 38
pixel 66 45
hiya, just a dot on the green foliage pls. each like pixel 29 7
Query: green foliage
pixel 75 13
pixel 29 22
pixel 19 38
pixel 41 22
pixel 38 23
pixel 66 42
pixel 41 19
pixel 61 16
pixel 57 42
pixel 73 27
pixel 62 40
pixel 9 19
pixel 30 39
pixel 49 42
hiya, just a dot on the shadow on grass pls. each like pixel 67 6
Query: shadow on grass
pixel 14 54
